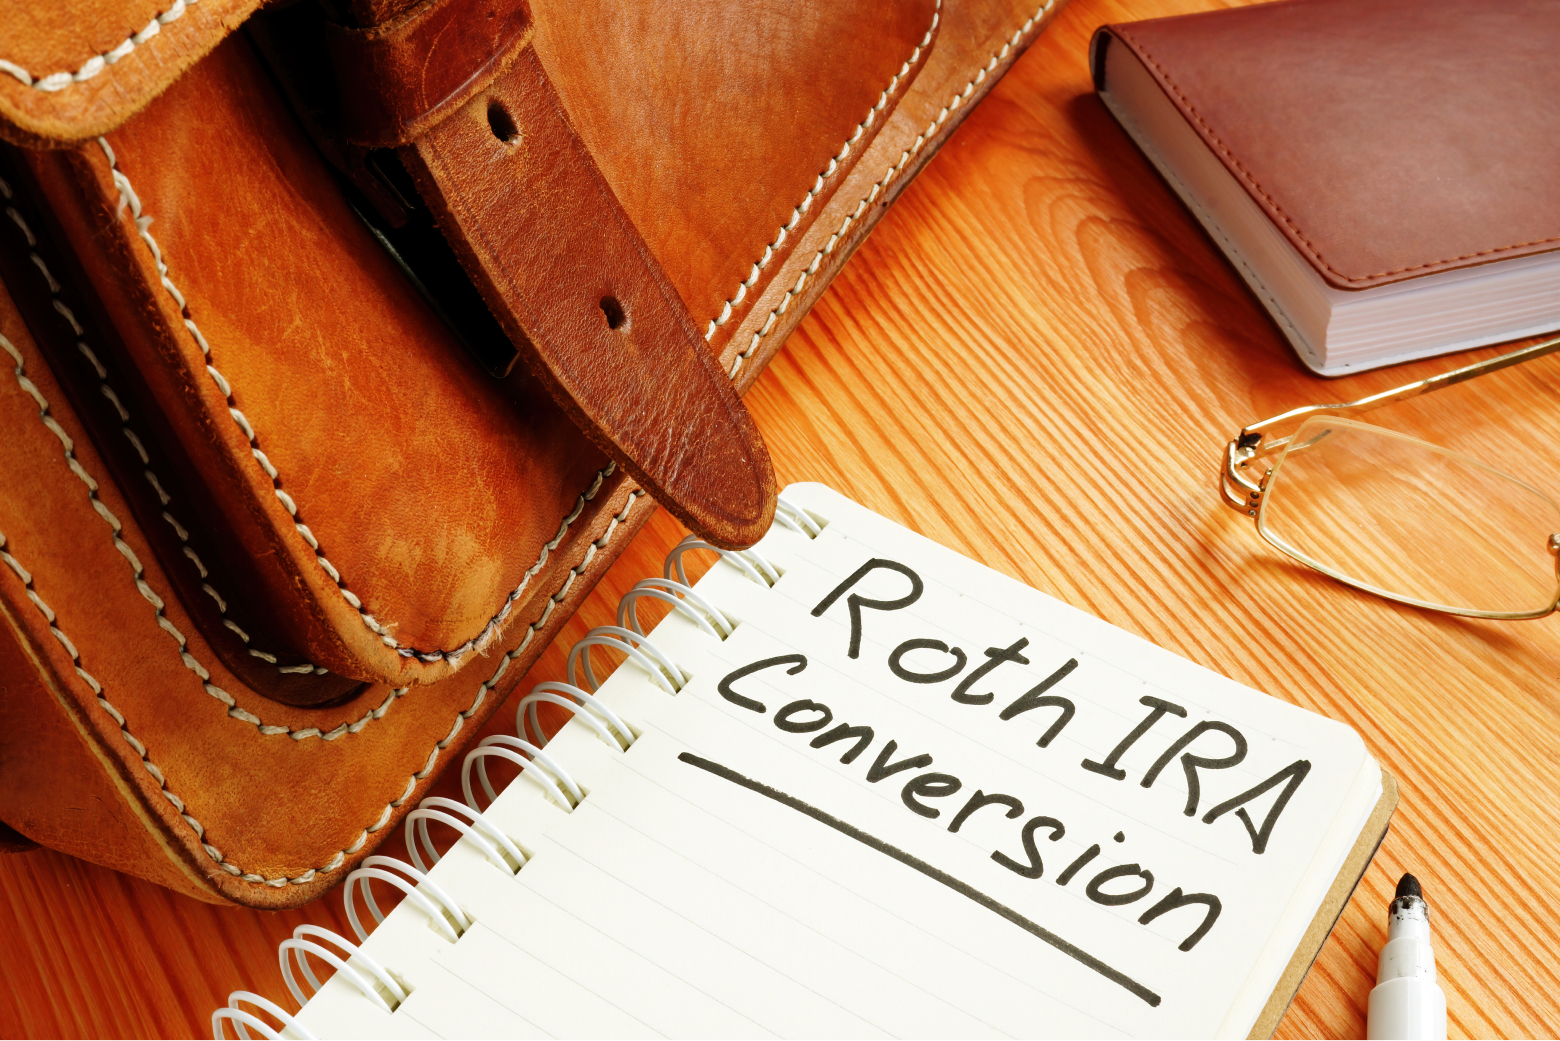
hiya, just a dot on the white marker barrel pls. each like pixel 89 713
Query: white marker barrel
pixel 1407 1004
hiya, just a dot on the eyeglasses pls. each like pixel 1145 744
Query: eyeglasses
pixel 1397 516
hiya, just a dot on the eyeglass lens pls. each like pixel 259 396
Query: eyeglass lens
pixel 1402 517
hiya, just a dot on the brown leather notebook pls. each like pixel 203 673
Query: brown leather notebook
pixel 1382 172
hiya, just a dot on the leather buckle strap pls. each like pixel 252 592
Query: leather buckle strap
pixel 456 88
pixel 399 79
pixel 561 265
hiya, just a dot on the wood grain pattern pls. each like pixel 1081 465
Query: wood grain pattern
pixel 1036 360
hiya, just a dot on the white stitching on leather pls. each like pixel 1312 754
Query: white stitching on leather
pixel 135 441
pixel 97 688
pixel 339 857
pixel 98 62
pixel 828 171
pixel 140 749
pixel 128 200
pixel 139 572
pixel 958 99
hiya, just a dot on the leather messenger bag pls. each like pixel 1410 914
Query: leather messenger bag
pixel 352 341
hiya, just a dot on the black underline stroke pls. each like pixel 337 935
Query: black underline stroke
pixel 1117 977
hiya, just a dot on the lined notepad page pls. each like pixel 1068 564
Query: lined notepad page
pixel 837 844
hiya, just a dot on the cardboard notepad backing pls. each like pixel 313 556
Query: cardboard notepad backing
pixel 891 792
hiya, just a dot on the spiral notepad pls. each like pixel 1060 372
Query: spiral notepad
pixel 855 784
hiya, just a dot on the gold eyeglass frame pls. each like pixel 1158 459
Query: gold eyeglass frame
pixel 1252 445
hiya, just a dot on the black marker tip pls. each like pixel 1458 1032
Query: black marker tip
pixel 1408 885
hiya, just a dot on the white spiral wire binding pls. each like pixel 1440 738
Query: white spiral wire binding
pixel 445 915
pixel 479 830
pixel 581 703
pixel 541 768
pixel 682 598
pixel 299 947
pixel 790 515
pixel 241 1019
pixel 383 868
pixel 749 561
pixel 663 672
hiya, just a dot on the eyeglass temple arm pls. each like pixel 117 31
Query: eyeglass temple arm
pixel 1249 445
pixel 1251 436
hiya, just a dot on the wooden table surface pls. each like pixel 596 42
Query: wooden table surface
pixel 1036 360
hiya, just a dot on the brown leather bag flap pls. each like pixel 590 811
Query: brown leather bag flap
pixel 74 69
